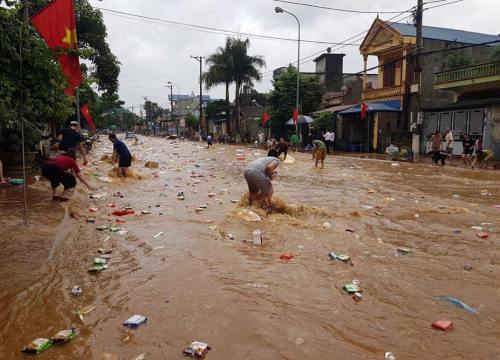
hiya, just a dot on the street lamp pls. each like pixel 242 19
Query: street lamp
pixel 278 10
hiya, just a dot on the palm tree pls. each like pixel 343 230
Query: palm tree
pixel 220 71
pixel 245 69
pixel 232 63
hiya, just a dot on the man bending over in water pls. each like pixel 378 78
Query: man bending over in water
pixel 258 175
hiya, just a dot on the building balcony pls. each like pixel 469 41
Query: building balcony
pixel 483 76
pixel 385 93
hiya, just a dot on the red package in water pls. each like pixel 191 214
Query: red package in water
pixel 286 256
pixel 123 212
pixel 482 235
pixel 442 325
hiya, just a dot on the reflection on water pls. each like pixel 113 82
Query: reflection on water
pixel 192 280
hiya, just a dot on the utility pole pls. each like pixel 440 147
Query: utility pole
pixel 418 72
pixel 172 108
pixel 200 60
pixel 420 45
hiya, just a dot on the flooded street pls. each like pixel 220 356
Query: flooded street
pixel 197 276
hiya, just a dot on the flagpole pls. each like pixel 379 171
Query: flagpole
pixel 78 107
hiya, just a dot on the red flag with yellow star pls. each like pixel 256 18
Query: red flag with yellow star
pixel 56 24
pixel 86 113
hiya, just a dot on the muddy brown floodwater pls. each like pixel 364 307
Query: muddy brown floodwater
pixel 203 279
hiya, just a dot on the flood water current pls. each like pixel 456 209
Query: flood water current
pixel 197 276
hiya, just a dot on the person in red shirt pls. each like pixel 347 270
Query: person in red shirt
pixel 56 171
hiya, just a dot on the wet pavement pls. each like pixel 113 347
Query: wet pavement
pixel 197 276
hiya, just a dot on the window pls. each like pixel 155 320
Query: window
pixel 445 122
pixel 476 122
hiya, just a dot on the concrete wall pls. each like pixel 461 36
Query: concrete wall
pixel 434 63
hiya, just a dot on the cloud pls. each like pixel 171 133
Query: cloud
pixel 154 53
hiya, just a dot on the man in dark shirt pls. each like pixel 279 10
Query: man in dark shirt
pixel 72 139
pixel 121 154
pixel 282 148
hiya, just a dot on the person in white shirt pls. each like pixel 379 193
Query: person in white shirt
pixel 327 137
pixel 332 140
pixel 449 141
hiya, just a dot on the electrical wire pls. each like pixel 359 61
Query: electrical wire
pixel 342 10
pixel 267 73
pixel 340 46
pixel 208 29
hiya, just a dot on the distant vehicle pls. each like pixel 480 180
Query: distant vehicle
pixel 129 135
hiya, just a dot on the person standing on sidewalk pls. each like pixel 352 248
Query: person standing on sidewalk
pixel 332 140
pixel 294 140
pixel 468 150
pixel 327 137
pixel 436 147
pixel 449 141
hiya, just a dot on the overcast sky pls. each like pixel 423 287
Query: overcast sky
pixel 152 53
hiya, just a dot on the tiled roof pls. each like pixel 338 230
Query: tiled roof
pixel 437 33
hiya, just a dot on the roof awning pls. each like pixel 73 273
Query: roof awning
pixel 335 109
pixel 381 106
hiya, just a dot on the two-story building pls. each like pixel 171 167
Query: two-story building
pixel 393 107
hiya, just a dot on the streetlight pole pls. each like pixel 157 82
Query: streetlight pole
pixel 297 100
pixel 200 60
pixel 172 104
pixel 172 108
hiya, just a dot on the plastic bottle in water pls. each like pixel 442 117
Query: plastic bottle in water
pixel 257 237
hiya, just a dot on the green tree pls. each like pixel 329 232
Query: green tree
pixel 215 108
pixel 39 93
pixel 246 69
pixel 220 71
pixel 191 121
pixel 282 98
pixel 323 121
pixel 232 63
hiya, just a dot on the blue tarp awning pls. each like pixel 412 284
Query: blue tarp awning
pixel 381 106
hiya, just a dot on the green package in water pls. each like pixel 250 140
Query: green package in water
pixel 404 250
pixel 351 288
pixel 99 261
pixel 37 346
pixel 97 268
pixel 343 257
pixel 63 336
pixel 115 229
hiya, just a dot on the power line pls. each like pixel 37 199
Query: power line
pixel 436 6
pixel 342 10
pixel 359 11
pixel 354 38
pixel 208 29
